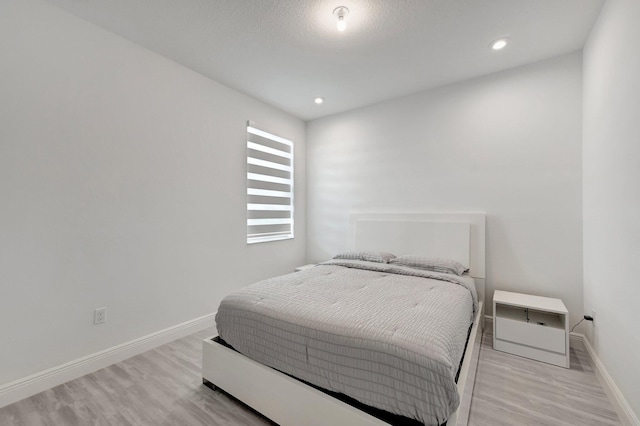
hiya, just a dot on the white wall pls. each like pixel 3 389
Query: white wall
pixel 612 192
pixel 122 180
pixel 508 144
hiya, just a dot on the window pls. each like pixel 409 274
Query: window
pixel 269 186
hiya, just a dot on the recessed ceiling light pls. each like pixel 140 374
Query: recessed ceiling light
pixel 318 100
pixel 499 44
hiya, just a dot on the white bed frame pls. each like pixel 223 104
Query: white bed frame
pixel 288 401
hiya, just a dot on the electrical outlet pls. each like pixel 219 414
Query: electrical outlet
pixel 100 315
pixel 593 315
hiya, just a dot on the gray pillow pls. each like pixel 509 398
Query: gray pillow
pixel 369 256
pixel 434 264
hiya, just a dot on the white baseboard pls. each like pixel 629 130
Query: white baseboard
pixel 576 337
pixel 622 407
pixel 31 385
pixel 488 322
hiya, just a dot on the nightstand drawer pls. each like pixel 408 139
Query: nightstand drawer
pixel 531 334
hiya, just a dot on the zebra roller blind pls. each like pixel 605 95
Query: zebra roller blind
pixel 269 187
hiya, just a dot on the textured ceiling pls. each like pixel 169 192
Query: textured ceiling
pixel 287 52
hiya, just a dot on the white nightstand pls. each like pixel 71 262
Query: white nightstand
pixel 304 267
pixel 531 326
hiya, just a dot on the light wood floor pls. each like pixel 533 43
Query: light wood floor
pixel 164 387
pixel 511 390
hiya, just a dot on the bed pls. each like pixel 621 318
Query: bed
pixel 351 340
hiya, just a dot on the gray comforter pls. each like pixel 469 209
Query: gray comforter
pixel 390 337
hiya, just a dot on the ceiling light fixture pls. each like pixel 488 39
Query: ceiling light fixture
pixel 341 13
pixel 499 44
pixel 318 100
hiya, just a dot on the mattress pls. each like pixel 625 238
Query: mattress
pixel 390 337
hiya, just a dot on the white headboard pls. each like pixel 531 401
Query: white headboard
pixel 432 239
pixel 457 236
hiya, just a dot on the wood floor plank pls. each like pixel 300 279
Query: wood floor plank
pixel 164 387
pixel 512 390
